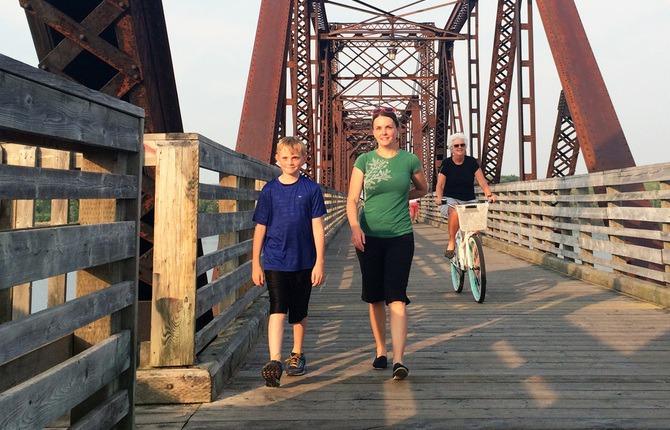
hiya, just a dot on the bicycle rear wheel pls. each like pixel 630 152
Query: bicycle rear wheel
pixel 457 276
pixel 477 268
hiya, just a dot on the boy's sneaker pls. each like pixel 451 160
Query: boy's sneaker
pixel 295 364
pixel 272 373
pixel 400 371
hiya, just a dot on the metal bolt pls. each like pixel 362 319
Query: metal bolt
pixel 122 5
pixel 27 5
pixel 82 37
pixel 43 67
pixel 136 77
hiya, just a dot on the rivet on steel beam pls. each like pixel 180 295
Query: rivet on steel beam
pixel 134 67
pixel 136 77
pixel 43 67
pixel 82 37
pixel 26 5
pixel 122 5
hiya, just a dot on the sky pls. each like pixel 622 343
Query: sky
pixel 211 44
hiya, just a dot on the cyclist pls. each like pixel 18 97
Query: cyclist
pixel 456 182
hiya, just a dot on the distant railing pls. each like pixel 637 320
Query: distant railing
pixel 615 222
pixel 188 209
pixel 76 358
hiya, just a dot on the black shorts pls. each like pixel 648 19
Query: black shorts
pixel 385 266
pixel 289 293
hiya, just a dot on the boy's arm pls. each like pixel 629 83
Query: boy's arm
pixel 257 275
pixel 320 245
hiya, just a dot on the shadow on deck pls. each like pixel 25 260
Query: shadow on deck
pixel 543 351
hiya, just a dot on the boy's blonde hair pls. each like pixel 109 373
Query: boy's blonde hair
pixel 292 144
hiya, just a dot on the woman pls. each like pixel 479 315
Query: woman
pixel 456 181
pixel 383 236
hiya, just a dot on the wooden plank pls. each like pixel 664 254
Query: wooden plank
pixel 173 300
pixel 23 253
pixel 621 213
pixel 20 337
pixel 211 330
pixel 177 385
pixel 50 113
pixel 630 175
pixel 216 224
pixel 224 160
pixel 105 416
pixel 209 261
pixel 41 183
pixel 217 290
pixel 216 192
pixel 49 395
pixel 42 78
pixel 225 240
pixel 51 158
pixel 23 216
pixel 35 362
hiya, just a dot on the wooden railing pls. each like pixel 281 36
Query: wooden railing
pixel 188 209
pixel 616 223
pixel 76 358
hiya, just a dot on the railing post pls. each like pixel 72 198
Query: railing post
pixel 665 228
pixel 175 239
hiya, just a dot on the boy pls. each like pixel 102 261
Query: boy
pixel 289 229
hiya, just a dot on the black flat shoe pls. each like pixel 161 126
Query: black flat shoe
pixel 380 363
pixel 400 371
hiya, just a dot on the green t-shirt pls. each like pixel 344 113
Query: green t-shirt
pixel 386 185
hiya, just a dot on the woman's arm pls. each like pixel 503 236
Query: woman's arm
pixel 481 180
pixel 420 185
pixel 355 188
pixel 439 188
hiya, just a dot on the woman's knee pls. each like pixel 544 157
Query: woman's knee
pixel 398 307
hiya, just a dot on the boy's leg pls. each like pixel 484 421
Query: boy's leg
pixel 275 335
pixel 299 335
pixel 377 312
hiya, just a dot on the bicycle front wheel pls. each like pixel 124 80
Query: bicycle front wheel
pixel 477 268
pixel 457 276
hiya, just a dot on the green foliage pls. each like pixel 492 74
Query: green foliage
pixel 208 206
pixel 653 186
pixel 42 211
pixel 508 178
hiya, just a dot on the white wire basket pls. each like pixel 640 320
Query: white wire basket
pixel 472 217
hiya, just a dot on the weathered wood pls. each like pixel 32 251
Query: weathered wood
pixel 215 224
pixel 178 385
pixel 46 397
pixel 215 192
pixel 66 86
pixel 20 337
pixel 23 216
pixel 48 112
pixel 41 183
pixel 209 261
pixel 217 290
pixel 27 255
pixel 35 362
pixel 211 330
pixel 107 415
pixel 173 300
pixel 51 158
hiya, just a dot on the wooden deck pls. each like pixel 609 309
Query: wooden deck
pixel 543 351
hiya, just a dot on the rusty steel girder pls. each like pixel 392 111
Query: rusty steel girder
pixel 601 138
pixel 120 48
pixel 263 119
pixel 526 91
pixel 500 88
pixel 300 64
pixel 564 145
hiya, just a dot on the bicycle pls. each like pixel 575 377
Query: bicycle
pixel 469 255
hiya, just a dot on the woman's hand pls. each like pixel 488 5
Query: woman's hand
pixel 257 275
pixel 358 238
pixel 492 198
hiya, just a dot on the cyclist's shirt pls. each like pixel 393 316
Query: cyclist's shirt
pixel 386 185
pixel 460 178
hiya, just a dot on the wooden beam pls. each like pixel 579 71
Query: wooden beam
pixel 175 239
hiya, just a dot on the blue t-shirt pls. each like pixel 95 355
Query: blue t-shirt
pixel 287 212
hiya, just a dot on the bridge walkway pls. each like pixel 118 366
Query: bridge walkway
pixel 543 351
